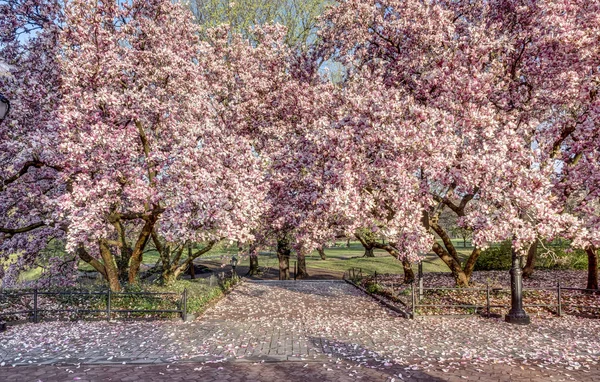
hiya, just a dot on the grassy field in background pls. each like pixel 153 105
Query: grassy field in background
pixel 339 259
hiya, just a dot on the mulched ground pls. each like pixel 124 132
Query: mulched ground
pixel 541 289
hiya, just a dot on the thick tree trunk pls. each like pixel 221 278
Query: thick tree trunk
pixel 470 264
pixel 449 256
pixel 126 251
pixel 321 251
pixel 409 275
pixel 369 251
pixel 253 270
pixel 592 281
pixel 111 271
pixel 529 266
pixel 123 263
pixel 253 265
pixel 138 249
pixel 459 275
pixel 283 254
pixel 302 272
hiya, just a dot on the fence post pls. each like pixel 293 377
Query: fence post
pixel 420 289
pixel 414 300
pixel 559 308
pixel 35 305
pixel 295 269
pixel 487 299
pixel 184 308
pixel 108 302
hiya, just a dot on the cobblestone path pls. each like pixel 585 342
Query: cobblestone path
pixel 324 330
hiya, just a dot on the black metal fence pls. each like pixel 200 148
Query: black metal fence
pixel 418 291
pixel 110 309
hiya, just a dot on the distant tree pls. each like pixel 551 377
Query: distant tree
pixel 300 17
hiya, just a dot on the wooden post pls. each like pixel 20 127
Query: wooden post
pixel 420 289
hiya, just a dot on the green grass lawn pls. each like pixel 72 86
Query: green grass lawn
pixel 339 259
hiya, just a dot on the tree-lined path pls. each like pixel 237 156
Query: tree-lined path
pixel 326 330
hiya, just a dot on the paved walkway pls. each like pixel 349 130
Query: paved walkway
pixel 325 330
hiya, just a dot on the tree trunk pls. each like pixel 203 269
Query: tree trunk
pixel 409 275
pixel 470 264
pixel 302 272
pixel 126 251
pixel 111 271
pixel 253 271
pixel 459 275
pixel 321 251
pixel 192 269
pixel 464 242
pixel 592 281
pixel 283 254
pixel 450 257
pixel 368 250
pixel 529 266
pixel 348 243
pixel 123 263
pixel 138 249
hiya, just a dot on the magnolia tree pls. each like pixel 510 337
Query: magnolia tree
pixel 569 141
pixel 142 150
pixel 276 98
pixel 465 88
pixel 30 166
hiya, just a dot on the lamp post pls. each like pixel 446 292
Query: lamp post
pixel 234 262
pixel 516 315
pixel 4 109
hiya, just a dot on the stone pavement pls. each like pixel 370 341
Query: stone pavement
pixel 324 330
pixel 272 371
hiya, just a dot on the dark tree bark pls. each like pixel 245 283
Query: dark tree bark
pixel 138 249
pixel 123 263
pixel 348 243
pixel 592 281
pixel 171 258
pixel 367 244
pixel 321 251
pixel 369 251
pixel 409 275
pixel 283 254
pixel 302 272
pixel 192 268
pixel 253 270
pixel 530 264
